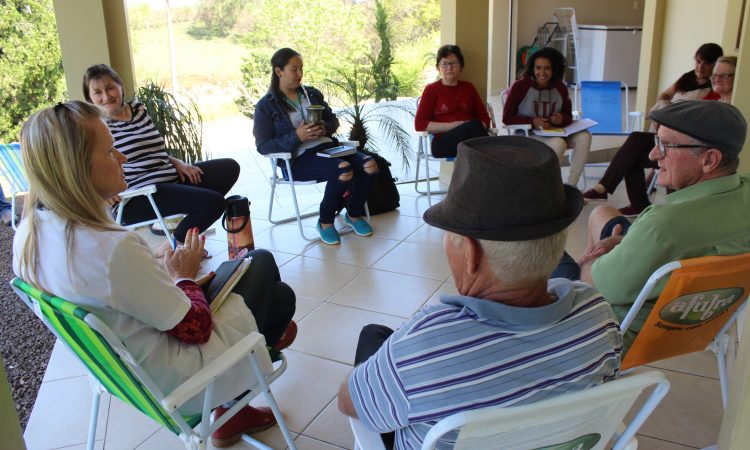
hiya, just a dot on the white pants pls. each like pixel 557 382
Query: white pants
pixel 580 143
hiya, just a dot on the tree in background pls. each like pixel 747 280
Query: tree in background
pixel 386 85
pixel 31 73
pixel 218 17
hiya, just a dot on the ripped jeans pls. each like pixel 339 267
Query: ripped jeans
pixel 309 166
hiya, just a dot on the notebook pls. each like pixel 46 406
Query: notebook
pixel 227 276
pixel 337 152
pixel 575 127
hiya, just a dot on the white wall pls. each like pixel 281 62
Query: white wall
pixel 687 25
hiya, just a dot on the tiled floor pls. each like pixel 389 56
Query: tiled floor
pixel 381 279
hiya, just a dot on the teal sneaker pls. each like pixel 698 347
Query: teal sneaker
pixel 361 227
pixel 329 235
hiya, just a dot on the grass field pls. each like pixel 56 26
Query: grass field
pixel 208 69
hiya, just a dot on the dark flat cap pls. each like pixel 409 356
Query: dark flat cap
pixel 506 188
pixel 715 123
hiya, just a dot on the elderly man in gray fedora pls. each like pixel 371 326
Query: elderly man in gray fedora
pixel 511 335
pixel 697 147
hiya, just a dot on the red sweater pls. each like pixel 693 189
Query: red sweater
pixel 441 103
pixel 196 326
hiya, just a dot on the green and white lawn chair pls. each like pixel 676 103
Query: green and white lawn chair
pixel 112 368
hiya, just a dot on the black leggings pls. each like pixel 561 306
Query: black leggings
pixel 628 164
pixel 271 301
pixel 445 145
pixel 203 202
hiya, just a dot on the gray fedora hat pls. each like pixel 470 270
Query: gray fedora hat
pixel 506 188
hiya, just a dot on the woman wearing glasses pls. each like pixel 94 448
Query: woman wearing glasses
pixel 632 158
pixel 449 108
pixel 541 100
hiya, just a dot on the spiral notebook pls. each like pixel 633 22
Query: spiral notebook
pixel 337 152
pixel 226 278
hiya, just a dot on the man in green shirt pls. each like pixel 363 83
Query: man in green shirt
pixel 697 147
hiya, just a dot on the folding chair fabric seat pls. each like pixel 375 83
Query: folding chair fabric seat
pixel 699 303
pixel 112 368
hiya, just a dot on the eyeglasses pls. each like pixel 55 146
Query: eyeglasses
pixel 721 76
pixel 445 64
pixel 663 147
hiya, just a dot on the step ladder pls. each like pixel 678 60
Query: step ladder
pixel 568 41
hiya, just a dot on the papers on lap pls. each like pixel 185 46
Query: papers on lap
pixel 337 152
pixel 575 127
pixel 227 276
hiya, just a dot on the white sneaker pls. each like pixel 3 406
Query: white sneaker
pixel 7 217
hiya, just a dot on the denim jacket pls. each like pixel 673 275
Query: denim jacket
pixel 274 132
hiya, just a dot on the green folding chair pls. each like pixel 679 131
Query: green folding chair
pixel 112 368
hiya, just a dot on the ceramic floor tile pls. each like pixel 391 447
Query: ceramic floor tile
pixel 331 426
pixel 427 234
pixel 304 307
pixel 61 414
pixel 386 292
pixel 649 443
pixel 354 250
pixel 331 331
pixel 63 364
pixel 164 439
pixel 307 443
pixel 700 363
pixel 394 225
pixel 127 428
pixel 317 279
pixel 446 288
pixel 98 445
pixel 306 388
pixel 690 414
pixel 422 260
pixel 416 206
pixel 286 238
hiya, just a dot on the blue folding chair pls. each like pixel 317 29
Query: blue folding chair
pixel 11 168
pixel 602 101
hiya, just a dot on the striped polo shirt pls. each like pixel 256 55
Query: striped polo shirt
pixel 139 140
pixel 469 353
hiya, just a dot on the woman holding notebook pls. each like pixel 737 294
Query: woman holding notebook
pixel 157 308
pixel 541 100
pixel 282 125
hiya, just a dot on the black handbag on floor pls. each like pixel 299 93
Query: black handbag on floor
pixel 384 196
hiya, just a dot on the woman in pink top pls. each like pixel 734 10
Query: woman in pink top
pixel 449 108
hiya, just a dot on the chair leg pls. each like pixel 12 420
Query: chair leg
pixel 297 216
pixel 96 389
pixel 167 232
pixel 719 347
pixel 272 403
pixel 13 211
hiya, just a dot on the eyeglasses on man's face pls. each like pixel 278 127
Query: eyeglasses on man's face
pixel 663 147
pixel 721 76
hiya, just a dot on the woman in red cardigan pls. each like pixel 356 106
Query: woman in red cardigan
pixel 449 108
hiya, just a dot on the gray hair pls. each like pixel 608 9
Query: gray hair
pixel 521 263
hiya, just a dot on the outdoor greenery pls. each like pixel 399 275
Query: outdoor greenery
pixel 31 73
pixel 217 17
pixel 179 123
pixel 386 85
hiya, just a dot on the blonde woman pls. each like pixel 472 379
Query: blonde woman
pixel 157 309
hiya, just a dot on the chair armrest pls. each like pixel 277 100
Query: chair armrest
pixel 365 437
pixel 143 190
pixel 279 155
pixel 423 133
pixel 349 143
pixel 198 382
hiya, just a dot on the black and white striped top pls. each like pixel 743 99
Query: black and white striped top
pixel 139 140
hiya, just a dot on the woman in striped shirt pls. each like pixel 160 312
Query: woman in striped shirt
pixel 194 190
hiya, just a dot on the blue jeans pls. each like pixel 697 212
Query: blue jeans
pixel 3 204
pixel 309 166
pixel 568 267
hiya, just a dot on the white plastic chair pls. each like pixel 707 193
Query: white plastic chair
pixel 285 177
pixel 689 278
pixel 148 192
pixel 591 416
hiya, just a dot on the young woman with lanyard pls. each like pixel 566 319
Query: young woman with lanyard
pixel 281 125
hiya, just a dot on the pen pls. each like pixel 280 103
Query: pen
pixel 174 243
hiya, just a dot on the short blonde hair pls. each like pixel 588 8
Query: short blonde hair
pixel 522 263
pixel 57 145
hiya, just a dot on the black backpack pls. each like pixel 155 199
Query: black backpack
pixel 384 196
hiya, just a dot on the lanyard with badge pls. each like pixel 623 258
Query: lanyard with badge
pixel 298 106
